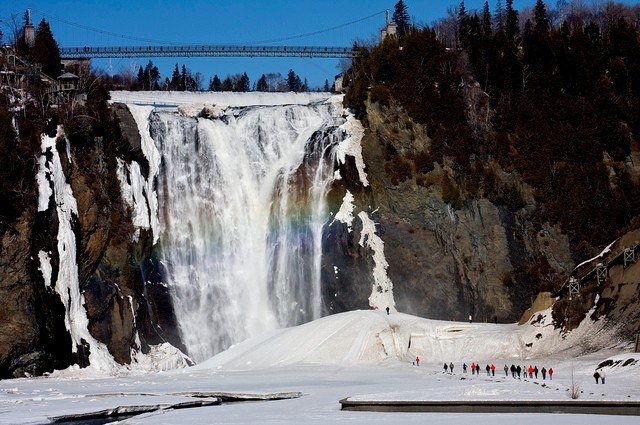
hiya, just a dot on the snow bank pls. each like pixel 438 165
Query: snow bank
pixel 382 291
pixel 345 214
pixel 352 146
pixel 176 99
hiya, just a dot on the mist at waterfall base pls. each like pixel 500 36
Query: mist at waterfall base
pixel 241 208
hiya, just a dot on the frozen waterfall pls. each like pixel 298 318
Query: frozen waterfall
pixel 241 207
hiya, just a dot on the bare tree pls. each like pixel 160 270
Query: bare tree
pixel 16 29
pixel 446 29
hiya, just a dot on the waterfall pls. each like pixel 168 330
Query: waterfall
pixel 241 207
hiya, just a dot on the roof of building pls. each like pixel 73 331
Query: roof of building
pixel 68 76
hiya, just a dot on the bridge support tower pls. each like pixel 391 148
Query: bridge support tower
pixel 629 256
pixel 574 288
pixel 601 273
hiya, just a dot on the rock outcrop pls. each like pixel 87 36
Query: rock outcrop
pixel 447 260
pixel 127 306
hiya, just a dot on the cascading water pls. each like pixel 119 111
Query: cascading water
pixel 241 207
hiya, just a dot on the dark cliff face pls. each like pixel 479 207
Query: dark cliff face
pixel 121 275
pixel 448 257
pixel 120 278
pixel 451 256
pixel 33 339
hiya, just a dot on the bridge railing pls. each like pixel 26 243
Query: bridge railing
pixel 203 50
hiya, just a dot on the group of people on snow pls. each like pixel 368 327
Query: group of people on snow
pixel 516 371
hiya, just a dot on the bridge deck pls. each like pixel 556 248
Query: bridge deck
pixel 206 51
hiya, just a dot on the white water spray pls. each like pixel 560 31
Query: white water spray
pixel 241 209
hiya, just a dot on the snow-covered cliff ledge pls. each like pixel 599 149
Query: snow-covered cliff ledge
pixel 176 98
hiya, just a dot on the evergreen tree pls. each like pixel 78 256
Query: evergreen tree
pixel 293 81
pixel 541 18
pixel 227 84
pixel 462 11
pixel 45 50
pixel 511 25
pixel 184 78
pixel 140 79
pixel 401 18
pixel 175 78
pixel 486 20
pixel 463 25
pixel 215 84
pixel 499 16
pixel 262 85
pixel 242 83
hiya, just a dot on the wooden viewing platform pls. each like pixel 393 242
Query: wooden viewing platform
pixel 628 408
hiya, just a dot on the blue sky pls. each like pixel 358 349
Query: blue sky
pixel 225 22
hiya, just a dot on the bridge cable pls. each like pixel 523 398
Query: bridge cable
pixel 156 41
pixel 100 31
pixel 308 34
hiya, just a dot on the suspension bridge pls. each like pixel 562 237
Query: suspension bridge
pixel 149 48
pixel 205 50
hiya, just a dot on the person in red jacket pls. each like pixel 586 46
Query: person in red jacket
pixel 550 373
pixel 530 370
pixel 493 369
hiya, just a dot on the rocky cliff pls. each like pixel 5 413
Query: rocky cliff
pixel 116 272
pixel 453 254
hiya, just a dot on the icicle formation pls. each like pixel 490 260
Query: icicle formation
pixel 242 205
pixel 52 183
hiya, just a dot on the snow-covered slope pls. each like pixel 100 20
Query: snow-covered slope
pixel 363 355
pixel 373 337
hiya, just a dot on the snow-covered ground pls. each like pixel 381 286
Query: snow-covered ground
pixel 362 355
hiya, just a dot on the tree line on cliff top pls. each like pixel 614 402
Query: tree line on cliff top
pixel 553 95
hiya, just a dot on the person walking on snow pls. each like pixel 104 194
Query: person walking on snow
pixel 530 370
pixel 445 368
pixel 488 369
pixel 513 371
pixel 451 367
pixel 602 376
pixel 506 370
pixel 544 373
pixel 417 361
pixel 493 369
pixel 464 367
pixel 473 368
pixel 535 371
pixel 596 375
pixel 551 373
